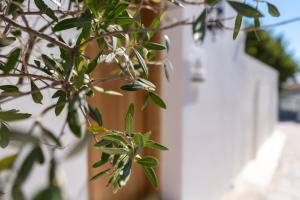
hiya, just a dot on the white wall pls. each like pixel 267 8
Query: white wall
pixel 214 128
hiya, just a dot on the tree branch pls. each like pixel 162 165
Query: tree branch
pixel 36 33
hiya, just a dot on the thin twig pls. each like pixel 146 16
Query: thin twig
pixel 36 33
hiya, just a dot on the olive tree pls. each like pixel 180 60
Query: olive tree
pixel 31 30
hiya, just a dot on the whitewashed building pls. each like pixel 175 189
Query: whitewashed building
pixel 215 126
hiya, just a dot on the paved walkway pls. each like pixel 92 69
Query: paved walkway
pixel 284 181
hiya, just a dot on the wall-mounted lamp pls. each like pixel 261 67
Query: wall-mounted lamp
pixel 197 72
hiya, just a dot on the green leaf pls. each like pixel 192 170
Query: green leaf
pixel 129 119
pixel 49 62
pixel 36 93
pixel 100 174
pixel 43 68
pixel 22 137
pixel 126 171
pixel 69 23
pixel 141 62
pixel 74 122
pixel 150 173
pixel 51 193
pixel 12 60
pixel 119 9
pixel 154 46
pixel 35 156
pixel 73 118
pixel 256 23
pixel 7 162
pixel 157 100
pixel 16 32
pixel 156 22
pixel 237 25
pixel 92 65
pixel 14 6
pixel 103 143
pixel 13 115
pixel 104 159
pixel 45 9
pixel 61 102
pixel 245 10
pixel 95 115
pixel 51 136
pixel 114 151
pixel 211 2
pixel 199 27
pixel 153 145
pixel 10 90
pixel 137 85
pixel 140 84
pixel 147 84
pixel 273 11
pixel 130 110
pixel 122 21
pixel 85 33
pixel 109 92
pixel 145 101
pixel 4 135
pixel 147 135
pixel 148 161
pixel 139 142
pixel 38 155
pixel 5 41
pixel 115 138
pixel 97 130
pixel 257 27
pixel 166 72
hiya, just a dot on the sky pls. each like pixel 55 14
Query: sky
pixel 289 9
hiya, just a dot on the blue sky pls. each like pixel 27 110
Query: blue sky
pixel 288 9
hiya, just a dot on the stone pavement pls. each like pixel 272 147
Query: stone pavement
pixel 283 168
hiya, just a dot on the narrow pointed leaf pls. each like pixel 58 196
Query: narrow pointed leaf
pixel 199 27
pixel 100 174
pixel 148 161
pixel 141 62
pixel 45 9
pixel 36 93
pixel 12 60
pixel 4 135
pixel 237 25
pixel 273 11
pixel 154 46
pixel 118 151
pixel 157 100
pixel 150 173
pixel 13 115
pixel 7 162
pixel 129 119
pixel 245 9
pixel 153 145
